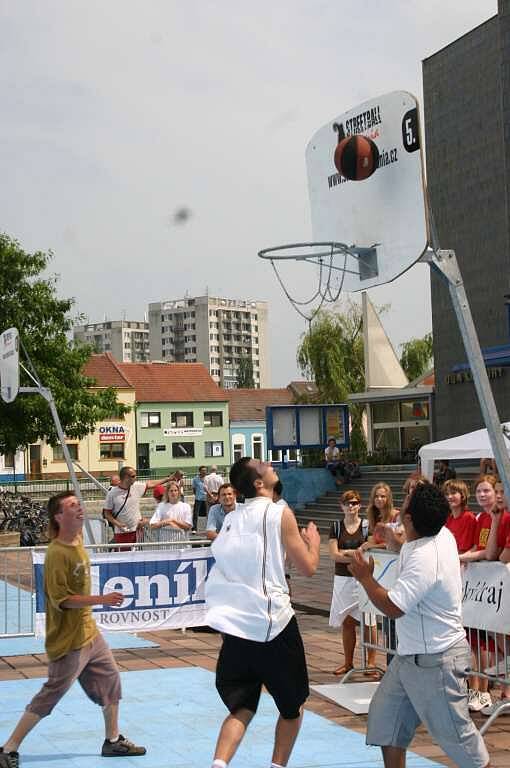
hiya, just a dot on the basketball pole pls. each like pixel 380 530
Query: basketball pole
pixel 445 262
pixel 46 393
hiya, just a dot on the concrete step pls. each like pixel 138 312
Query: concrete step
pixel 325 509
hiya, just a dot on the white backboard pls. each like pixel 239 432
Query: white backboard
pixel 387 211
pixel 9 365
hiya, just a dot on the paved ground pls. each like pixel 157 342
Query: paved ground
pixel 323 648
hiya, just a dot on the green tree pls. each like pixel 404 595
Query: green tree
pixel 30 304
pixel 417 356
pixel 245 373
pixel 331 353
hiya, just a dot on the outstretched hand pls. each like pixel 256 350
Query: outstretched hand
pixel 359 567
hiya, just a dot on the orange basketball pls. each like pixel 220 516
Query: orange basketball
pixel 356 157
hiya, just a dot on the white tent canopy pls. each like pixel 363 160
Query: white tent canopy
pixel 473 445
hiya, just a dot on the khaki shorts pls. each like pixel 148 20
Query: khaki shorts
pixel 429 688
pixel 95 669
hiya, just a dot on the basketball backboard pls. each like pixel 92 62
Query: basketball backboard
pixel 9 365
pixel 385 213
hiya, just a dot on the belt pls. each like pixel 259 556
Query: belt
pixel 433 659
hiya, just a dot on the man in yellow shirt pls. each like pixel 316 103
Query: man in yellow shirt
pixel 75 647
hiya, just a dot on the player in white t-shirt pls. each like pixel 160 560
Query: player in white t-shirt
pixel 427 679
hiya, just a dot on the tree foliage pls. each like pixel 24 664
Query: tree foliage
pixel 417 356
pixel 29 303
pixel 245 378
pixel 331 353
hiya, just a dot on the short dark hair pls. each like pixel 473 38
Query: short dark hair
pixel 428 508
pixel 125 471
pixel 54 505
pixel 225 485
pixel 243 476
pixel 278 488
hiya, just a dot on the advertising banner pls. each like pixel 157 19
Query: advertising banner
pixel 485 591
pixel 162 590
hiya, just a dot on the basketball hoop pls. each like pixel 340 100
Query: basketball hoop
pixel 334 261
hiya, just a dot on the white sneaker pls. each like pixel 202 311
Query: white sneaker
pixel 485 701
pixel 474 700
pixel 488 711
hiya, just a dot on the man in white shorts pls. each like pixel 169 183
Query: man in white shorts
pixel 427 679
pixel 248 602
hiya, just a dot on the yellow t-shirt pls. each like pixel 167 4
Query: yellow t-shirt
pixel 67 572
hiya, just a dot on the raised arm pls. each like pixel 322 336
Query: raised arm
pixel 302 547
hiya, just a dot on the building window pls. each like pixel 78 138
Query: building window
pixel 417 410
pixel 8 461
pixel 213 448
pixel 111 451
pixel 292 454
pixel 150 419
pixel 58 453
pixel 213 419
pixel 385 412
pixel 256 447
pixel 181 419
pixel 183 450
pixel 238 447
pixel 275 455
pixel 161 448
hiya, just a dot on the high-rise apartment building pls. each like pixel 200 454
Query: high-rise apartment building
pixel 127 340
pixel 223 334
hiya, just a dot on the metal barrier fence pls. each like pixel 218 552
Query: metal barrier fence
pixel 17 587
pixel 47 487
pixel 490 657
pixel 175 538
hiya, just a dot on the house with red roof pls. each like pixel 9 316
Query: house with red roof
pixel 181 415
pixel 179 419
pixel 110 445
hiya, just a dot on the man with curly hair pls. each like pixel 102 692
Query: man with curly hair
pixel 427 679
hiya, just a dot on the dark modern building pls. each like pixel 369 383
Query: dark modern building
pixel 467 135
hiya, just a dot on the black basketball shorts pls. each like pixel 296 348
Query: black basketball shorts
pixel 244 666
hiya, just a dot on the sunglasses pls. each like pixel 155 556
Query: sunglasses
pixel 352 503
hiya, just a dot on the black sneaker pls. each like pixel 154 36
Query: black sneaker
pixel 9 759
pixel 120 748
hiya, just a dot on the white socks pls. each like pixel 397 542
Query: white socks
pixel 222 764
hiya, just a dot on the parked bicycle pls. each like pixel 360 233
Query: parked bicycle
pixel 23 514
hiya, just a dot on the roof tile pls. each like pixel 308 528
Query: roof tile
pixel 250 404
pixel 156 382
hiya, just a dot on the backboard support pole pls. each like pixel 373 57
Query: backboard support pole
pixel 46 393
pixel 445 262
